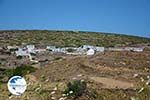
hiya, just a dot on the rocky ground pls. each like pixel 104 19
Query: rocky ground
pixel 109 76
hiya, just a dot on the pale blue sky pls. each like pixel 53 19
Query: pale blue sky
pixel 120 16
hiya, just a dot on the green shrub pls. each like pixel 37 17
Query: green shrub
pixel 8 72
pixel 77 87
pixel 24 69
pixel 58 58
pixel 21 70
pixel 70 50
pixel 19 57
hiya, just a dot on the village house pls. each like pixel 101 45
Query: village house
pixel 138 49
pixel 96 48
pixel 51 48
pixel 90 52
pixel 31 48
pixel 22 52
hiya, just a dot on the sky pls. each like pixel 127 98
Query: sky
pixel 130 17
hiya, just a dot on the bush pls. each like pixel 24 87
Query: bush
pixel 58 58
pixel 70 50
pixel 77 88
pixel 8 72
pixel 147 49
pixel 19 57
pixel 21 70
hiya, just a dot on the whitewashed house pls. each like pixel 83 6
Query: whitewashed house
pixel 88 47
pixel 60 50
pixel 96 48
pixel 90 52
pixel 21 52
pixel 80 50
pixel 51 48
pixel 31 48
pixel 138 49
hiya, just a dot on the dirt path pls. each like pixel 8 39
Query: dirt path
pixel 112 83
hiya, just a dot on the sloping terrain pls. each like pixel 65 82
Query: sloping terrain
pixel 109 75
pixel 68 38
pixel 103 72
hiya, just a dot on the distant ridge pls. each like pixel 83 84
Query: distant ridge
pixel 68 38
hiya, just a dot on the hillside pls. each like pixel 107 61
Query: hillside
pixel 68 38
pixel 108 75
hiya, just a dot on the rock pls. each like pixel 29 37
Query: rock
pixel 47 80
pixel 141 90
pixel 61 98
pixel 53 92
pixel 52 98
pixel 63 95
pixel 37 89
pixel 135 75
pixel 148 82
pixel 79 75
pixel 142 80
pixel 55 89
pixel 70 92
pixel 123 63
pixel 133 98
pixel 67 94
pixel 74 78
pixel 82 80
pixel 148 77
pixel 10 97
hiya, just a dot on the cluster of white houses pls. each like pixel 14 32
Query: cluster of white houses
pixel 83 50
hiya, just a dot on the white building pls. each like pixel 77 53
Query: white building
pixel 88 47
pixel 30 48
pixel 138 49
pixel 21 52
pixel 98 49
pixel 52 48
pixel 90 52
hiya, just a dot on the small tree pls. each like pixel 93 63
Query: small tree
pixel 75 88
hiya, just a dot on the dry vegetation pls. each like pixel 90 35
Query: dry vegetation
pixel 68 38
pixel 108 76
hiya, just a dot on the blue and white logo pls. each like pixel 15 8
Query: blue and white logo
pixel 17 85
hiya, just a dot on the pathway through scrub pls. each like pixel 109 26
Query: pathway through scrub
pixel 112 83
